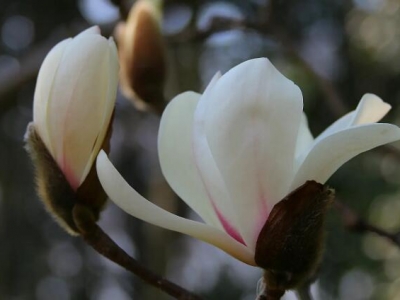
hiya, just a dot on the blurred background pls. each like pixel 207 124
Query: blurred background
pixel 335 50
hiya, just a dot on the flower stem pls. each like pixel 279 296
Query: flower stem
pixel 269 294
pixel 103 244
pixel 303 292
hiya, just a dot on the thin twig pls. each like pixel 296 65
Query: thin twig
pixel 356 223
pixel 334 101
pixel 271 295
pixel 217 24
pixel 103 244
pixel 220 24
pixel 269 28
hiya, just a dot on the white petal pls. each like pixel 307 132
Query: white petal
pixel 212 83
pixel 340 124
pixel 304 142
pixel 252 117
pixel 79 99
pixel 371 109
pixel 176 155
pixel 108 104
pixel 304 137
pixel 91 30
pixel 44 85
pixel 333 151
pixel 209 172
pixel 133 203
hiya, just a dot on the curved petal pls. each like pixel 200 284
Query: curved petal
pixel 304 137
pixel 176 155
pixel 108 104
pixel 371 109
pixel 304 142
pixel 44 85
pixel 252 115
pixel 208 170
pixel 133 203
pixel 333 151
pixel 79 95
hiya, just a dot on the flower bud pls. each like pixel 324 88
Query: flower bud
pixel 289 246
pixel 142 56
pixel 72 112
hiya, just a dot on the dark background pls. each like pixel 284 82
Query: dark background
pixel 335 50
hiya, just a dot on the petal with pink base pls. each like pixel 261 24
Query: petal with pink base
pixel 251 119
pixel 208 170
pixel 133 203
pixel 176 156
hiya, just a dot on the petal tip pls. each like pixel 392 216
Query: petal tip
pixel 91 30
pixel 372 98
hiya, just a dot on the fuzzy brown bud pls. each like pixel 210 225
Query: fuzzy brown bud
pixel 72 116
pixel 54 189
pixel 52 186
pixel 142 55
pixel 290 244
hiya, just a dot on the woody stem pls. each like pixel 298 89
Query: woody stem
pixel 303 292
pixel 103 244
pixel 269 294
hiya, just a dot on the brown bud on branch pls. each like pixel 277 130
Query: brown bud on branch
pixel 52 186
pixel 142 56
pixel 290 244
pixel 72 117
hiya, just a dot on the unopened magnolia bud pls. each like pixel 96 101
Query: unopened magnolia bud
pixel 289 247
pixel 142 55
pixel 72 113
pixel 52 186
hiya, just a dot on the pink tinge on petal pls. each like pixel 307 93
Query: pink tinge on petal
pixel 70 176
pixel 263 209
pixel 229 229
pixel 262 218
pixel 227 226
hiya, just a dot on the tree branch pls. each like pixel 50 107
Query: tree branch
pixel 217 24
pixel 356 223
pixel 270 28
pixel 221 24
pixel 13 77
pixel 303 292
pixel 94 236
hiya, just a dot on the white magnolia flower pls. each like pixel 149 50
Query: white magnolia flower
pixel 234 152
pixel 74 100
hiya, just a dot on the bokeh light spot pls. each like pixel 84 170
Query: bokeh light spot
pixel 98 11
pixel 17 32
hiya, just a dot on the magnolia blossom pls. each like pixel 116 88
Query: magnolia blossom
pixel 234 152
pixel 74 100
